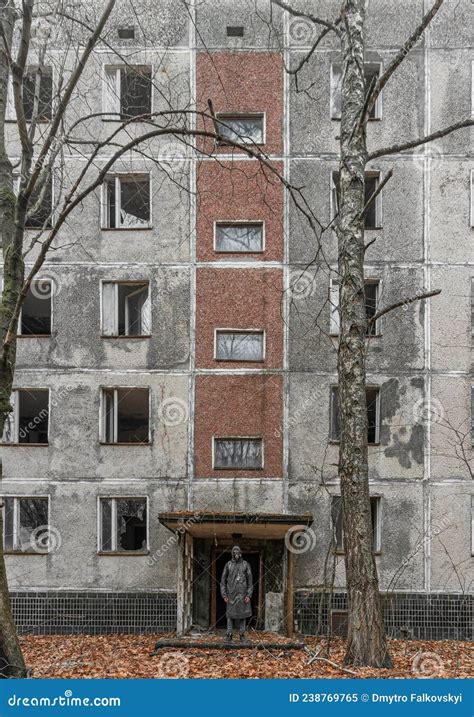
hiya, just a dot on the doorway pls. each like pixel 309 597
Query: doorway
pixel 218 607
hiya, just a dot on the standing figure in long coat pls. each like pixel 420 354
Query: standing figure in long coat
pixel 236 589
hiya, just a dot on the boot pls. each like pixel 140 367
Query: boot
pixel 228 637
pixel 242 637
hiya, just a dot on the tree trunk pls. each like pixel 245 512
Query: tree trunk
pixel 366 644
pixel 11 658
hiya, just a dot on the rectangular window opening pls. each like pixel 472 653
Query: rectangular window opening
pixel 238 453
pixel 126 33
pixel 127 202
pixel 373 414
pixel 373 215
pixel 235 31
pixel 127 91
pixel 126 309
pixel 123 525
pixel 239 345
pixel 239 237
pixel 26 525
pixel 371 290
pixel 35 318
pixel 125 415
pixel 337 524
pixel 40 207
pixel 243 129
pixel 371 71
pixel 28 423
pixel 37 94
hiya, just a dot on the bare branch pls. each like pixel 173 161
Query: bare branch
pixel 308 56
pixel 398 59
pixel 396 148
pixel 403 302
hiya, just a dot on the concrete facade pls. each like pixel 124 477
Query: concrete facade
pixel 420 358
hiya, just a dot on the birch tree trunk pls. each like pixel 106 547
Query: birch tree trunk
pixel 11 658
pixel 366 644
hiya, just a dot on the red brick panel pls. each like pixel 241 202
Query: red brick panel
pixel 239 191
pixel 242 83
pixel 239 299
pixel 235 406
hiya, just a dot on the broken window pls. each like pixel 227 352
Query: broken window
pixel 373 214
pixel 126 202
pixel 126 309
pixel 238 453
pixel 29 420
pixel 123 525
pixel 373 414
pixel 244 129
pixel 40 207
pixel 337 522
pixel 127 91
pixel 125 415
pixel 371 71
pixel 26 525
pixel 37 95
pixel 35 317
pixel 239 345
pixel 239 237
pixel 371 289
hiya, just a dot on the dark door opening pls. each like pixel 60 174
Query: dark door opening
pixel 220 559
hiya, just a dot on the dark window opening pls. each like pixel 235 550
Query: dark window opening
pixel 123 525
pixel 371 297
pixel 39 215
pixel 126 33
pixel 135 92
pixel 36 310
pixel 126 415
pixel 127 202
pixel 27 529
pixel 33 415
pixel 235 31
pixel 338 524
pixel 44 97
pixel 371 184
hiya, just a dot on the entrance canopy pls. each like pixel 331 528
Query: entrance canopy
pixel 206 524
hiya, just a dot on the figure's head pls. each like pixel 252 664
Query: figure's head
pixel 236 552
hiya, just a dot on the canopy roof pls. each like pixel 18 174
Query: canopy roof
pixel 207 524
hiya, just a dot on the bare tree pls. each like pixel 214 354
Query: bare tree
pixel 366 644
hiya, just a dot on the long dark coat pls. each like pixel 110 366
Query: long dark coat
pixel 236 584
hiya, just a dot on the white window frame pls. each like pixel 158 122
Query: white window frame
pixel 10 112
pixel 116 284
pixel 16 517
pixel 334 318
pixel 107 69
pixel 332 90
pixel 378 199
pixel 103 415
pixel 16 417
pixel 261 332
pixel 37 280
pixel 237 438
pixel 118 176
pixel 221 116
pixel 239 223
pixel 114 498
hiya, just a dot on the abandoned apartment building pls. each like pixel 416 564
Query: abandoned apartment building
pixel 176 384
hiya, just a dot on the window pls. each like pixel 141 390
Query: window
pixel 126 309
pixel 239 237
pixel 373 216
pixel 126 33
pixel 37 85
pixel 337 525
pixel 244 129
pixel 371 71
pixel 125 415
pixel 26 525
pixel 126 202
pixel 235 31
pixel 238 453
pixel 29 420
pixel 371 288
pixel 472 198
pixel 123 525
pixel 35 317
pixel 40 207
pixel 373 414
pixel 127 91
pixel 239 345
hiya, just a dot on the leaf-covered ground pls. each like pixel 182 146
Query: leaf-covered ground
pixel 120 656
